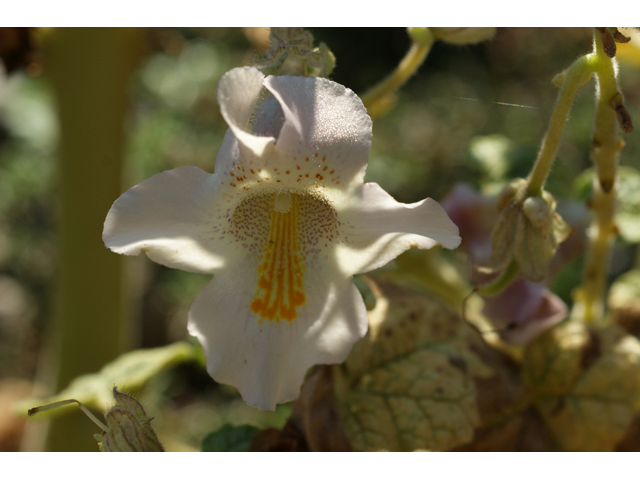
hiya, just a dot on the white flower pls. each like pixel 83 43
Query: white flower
pixel 283 224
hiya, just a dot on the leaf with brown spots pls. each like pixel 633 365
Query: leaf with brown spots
pixel 585 384
pixel 409 384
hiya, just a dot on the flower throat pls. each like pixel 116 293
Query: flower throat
pixel 280 274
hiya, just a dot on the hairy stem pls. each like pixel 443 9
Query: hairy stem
pixel 606 145
pixel 575 77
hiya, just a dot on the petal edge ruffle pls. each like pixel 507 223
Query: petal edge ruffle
pixel 376 228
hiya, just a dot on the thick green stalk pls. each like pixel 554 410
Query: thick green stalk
pixel 90 70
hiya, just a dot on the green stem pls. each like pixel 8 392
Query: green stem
pixel 377 99
pixel 503 281
pixel 575 77
pixel 606 145
pixel 601 235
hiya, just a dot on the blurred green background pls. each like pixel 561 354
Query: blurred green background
pixel 421 148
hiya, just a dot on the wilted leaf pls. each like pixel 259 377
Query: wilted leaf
pixel 130 371
pixel 315 423
pixel 408 384
pixel 230 438
pixel 585 384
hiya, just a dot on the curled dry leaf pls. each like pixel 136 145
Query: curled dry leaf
pixel 315 423
pixel 409 384
pixel 585 384
pixel 608 41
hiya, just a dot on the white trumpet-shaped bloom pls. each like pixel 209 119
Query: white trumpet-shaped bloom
pixel 283 224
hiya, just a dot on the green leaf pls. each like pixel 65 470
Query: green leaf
pixel 585 384
pixel 230 438
pixel 367 295
pixel 408 384
pixel 129 371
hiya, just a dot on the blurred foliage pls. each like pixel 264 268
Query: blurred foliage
pixel 628 209
pixel 446 128
pixel 130 371
pixel 230 439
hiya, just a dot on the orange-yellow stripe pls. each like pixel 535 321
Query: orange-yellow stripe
pixel 280 282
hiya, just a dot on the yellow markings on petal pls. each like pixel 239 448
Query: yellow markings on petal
pixel 280 275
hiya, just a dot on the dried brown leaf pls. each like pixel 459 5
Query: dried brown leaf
pixel 315 423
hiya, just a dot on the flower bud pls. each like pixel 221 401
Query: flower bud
pixel 129 428
pixel 292 53
pixel 528 231
pixel 463 35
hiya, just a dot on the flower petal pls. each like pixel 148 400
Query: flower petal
pixel 238 95
pixel 267 360
pixel 325 124
pixel 323 133
pixel 523 311
pixel 376 228
pixel 475 216
pixel 172 217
